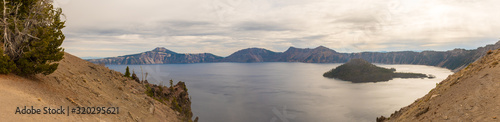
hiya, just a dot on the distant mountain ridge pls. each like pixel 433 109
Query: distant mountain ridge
pixel 453 59
pixel 470 94
pixel 159 55
pixel 253 55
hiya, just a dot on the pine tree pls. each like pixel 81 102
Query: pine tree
pixel 127 73
pixel 31 35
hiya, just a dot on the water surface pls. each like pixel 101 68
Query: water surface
pixel 250 92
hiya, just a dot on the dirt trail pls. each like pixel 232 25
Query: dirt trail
pixel 77 82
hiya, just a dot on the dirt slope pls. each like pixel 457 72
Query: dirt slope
pixel 472 94
pixel 77 82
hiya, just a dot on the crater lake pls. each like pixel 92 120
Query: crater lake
pixel 282 91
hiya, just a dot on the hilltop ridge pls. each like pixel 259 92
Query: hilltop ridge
pixel 468 95
pixel 455 59
pixel 159 55
pixel 253 55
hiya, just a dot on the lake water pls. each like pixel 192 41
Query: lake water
pixel 295 92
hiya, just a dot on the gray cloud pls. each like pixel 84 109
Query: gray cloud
pixel 118 27
pixel 261 26
pixel 190 28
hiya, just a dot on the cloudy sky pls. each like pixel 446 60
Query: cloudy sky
pixel 103 28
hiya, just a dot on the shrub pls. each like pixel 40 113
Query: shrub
pixel 6 65
pixel 149 91
pixel 175 105
pixel 185 88
pixel 171 82
pixel 489 52
pixel 127 73
pixel 33 35
pixel 171 85
pixel 160 87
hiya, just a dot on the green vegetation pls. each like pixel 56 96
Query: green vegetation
pixel 468 66
pixel 127 73
pixel 359 70
pixel 171 82
pixel 176 95
pixel 160 87
pixel 6 64
pixel 31 36
pixel 171 85
pixel 175 105
pixel 149 91
pixel 185 88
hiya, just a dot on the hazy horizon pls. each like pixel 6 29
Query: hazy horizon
pixel 99 57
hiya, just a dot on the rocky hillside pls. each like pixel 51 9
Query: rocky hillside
pixel 472 94
pixel 453 59
pixel 77 82
pixel 159 55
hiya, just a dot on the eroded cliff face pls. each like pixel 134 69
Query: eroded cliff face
pixel 472 94
pixel 453 59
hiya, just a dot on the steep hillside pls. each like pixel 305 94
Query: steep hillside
pixel 472 94
pixel 77 82
pixel 159 55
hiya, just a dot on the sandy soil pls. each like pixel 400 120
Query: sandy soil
pixel 471 94
pixel 77 82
